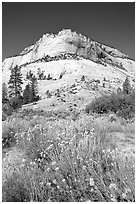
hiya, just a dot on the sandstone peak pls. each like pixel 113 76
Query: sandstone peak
pixel 68 56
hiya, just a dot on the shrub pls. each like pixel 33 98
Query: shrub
pixel 83 78
pixel 4 116
pixel 8 137
pixel 121 104
pixel 14 190
pixel 16 102
pixel 4 93
pixel 126 86
pixel 7 109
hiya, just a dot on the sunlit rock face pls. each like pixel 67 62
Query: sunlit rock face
pixel 72 55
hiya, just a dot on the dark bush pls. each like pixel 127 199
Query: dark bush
pixel 4 116
pixel 83 78
pixel 126 86
pixel 8 137
pixel 121 104
pixel 14 190
pixel 16 102
pixel 6 109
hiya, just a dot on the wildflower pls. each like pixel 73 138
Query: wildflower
pixel 22 165
pixel 41 183
pixel 31 200
pixel 78 157
pixel 49 200
pixel 48 169
pixel 23 160
pixel 32 163
pixel 53 163
pixel 108 151
pixel 48 184
pixel 127 190
pixel 84 167
pixel 91 181
pixel 54 181
pixel 113 199
pixel 81 199
pixel 124 195
pixel 92 190
pixel 63 180
pixel 57 168
pixel 113 185
pixel 41 153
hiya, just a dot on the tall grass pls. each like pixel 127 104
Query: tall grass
pixel 68 161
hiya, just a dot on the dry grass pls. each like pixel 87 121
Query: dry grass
pixel 66 160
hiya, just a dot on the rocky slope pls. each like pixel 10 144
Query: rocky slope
pixel 66 57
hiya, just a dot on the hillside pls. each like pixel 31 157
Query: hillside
pixel 66 57
pixel 57 149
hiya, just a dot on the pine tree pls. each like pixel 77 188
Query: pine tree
pixel 26 94
pixel 126 86
pixel 38 71
pixel 29 75
pixel 83 78
pixel 15 82
pixel 33 89
pixel 48 78
pixel 4 93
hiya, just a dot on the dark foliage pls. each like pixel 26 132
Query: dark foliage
pixel 61 75
pixel 15 190
pixel 49 77
pixel 26 94
pixel 41 75
pixel 33 89
pixel 6 110
pixel 121 104
pixel 61 56
pixel 30 93
pixel 29 75
pixel 101 55
pixel 8 137
pixel 83 78
pixel 15 82
pixel 16 102
pixel 4 93
pixel 126 86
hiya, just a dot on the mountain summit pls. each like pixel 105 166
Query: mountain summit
pixel 67 41
pixel 68 56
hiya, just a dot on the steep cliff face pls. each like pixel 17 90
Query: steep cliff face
pixel 67 41
pixel 66 57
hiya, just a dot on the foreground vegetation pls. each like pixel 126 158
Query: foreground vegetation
pixel 57 156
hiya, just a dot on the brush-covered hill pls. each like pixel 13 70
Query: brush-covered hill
pixel 74 67
pixel 52 150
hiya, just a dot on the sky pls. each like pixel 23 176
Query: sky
pixel 23 23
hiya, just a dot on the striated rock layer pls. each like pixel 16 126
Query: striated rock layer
pixel 72 55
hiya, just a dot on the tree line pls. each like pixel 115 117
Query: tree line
pixel 12 96
pixel 121 102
